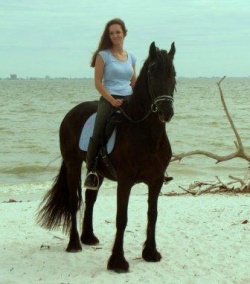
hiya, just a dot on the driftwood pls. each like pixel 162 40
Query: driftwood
pixel 214 187
pixel 240 151
pixel 201 187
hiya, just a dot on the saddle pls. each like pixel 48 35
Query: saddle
pixel 108 140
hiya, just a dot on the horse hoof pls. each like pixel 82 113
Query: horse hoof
pixel 89 240
pixel 74 248
pixel 118 264
pixel 151 255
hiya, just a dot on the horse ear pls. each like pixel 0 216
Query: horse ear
pixel 152 51
pixel 172 51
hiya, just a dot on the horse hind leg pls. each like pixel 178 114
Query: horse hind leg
pixel 88 237
pixel 75 199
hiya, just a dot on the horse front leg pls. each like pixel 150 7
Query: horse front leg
pixel 88 237
pixel 117 261
pixel 150 252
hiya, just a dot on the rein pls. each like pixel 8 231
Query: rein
pixel 135 121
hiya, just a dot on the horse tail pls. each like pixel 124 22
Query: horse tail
pixel 55 210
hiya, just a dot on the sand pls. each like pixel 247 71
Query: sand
pixel 202 239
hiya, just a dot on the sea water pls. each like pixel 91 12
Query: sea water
pixel 31 112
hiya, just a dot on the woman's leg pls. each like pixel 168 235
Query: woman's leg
pixel 105 109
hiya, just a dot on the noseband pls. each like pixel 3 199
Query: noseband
pixel 156 100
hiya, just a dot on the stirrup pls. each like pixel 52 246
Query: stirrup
pixel 92 181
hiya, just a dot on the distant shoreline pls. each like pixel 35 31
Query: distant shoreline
pixel 87 78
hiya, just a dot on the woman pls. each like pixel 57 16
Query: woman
pixel 115 77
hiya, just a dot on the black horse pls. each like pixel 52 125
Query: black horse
pixel 141 153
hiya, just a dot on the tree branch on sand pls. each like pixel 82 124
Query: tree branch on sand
pixel 200 187
pixel 218 186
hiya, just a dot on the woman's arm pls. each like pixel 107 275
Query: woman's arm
pixel 133 79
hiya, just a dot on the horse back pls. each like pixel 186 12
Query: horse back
pixel 78 115
pixel 72 124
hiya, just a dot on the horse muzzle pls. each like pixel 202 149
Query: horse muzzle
pixel 164 106
pixel 167 117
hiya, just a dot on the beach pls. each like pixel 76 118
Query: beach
pixel 202 239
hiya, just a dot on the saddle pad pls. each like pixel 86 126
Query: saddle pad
pixel 87 132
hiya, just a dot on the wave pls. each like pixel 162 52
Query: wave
pixel 30 125
pixel 29 169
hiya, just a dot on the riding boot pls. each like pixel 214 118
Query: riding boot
pixel 167 179
pixel 92 179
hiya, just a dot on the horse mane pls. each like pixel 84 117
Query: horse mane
pixel 140 92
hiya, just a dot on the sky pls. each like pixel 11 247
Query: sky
pixel 56 38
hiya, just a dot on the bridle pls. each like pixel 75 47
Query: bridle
pixel 156 100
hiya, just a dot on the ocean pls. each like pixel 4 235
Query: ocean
pixel 32 110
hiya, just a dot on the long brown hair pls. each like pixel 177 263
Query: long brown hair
pixel 105 41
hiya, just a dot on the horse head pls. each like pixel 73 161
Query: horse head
pixel 161 81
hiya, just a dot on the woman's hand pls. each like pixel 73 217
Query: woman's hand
pixel 117 102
